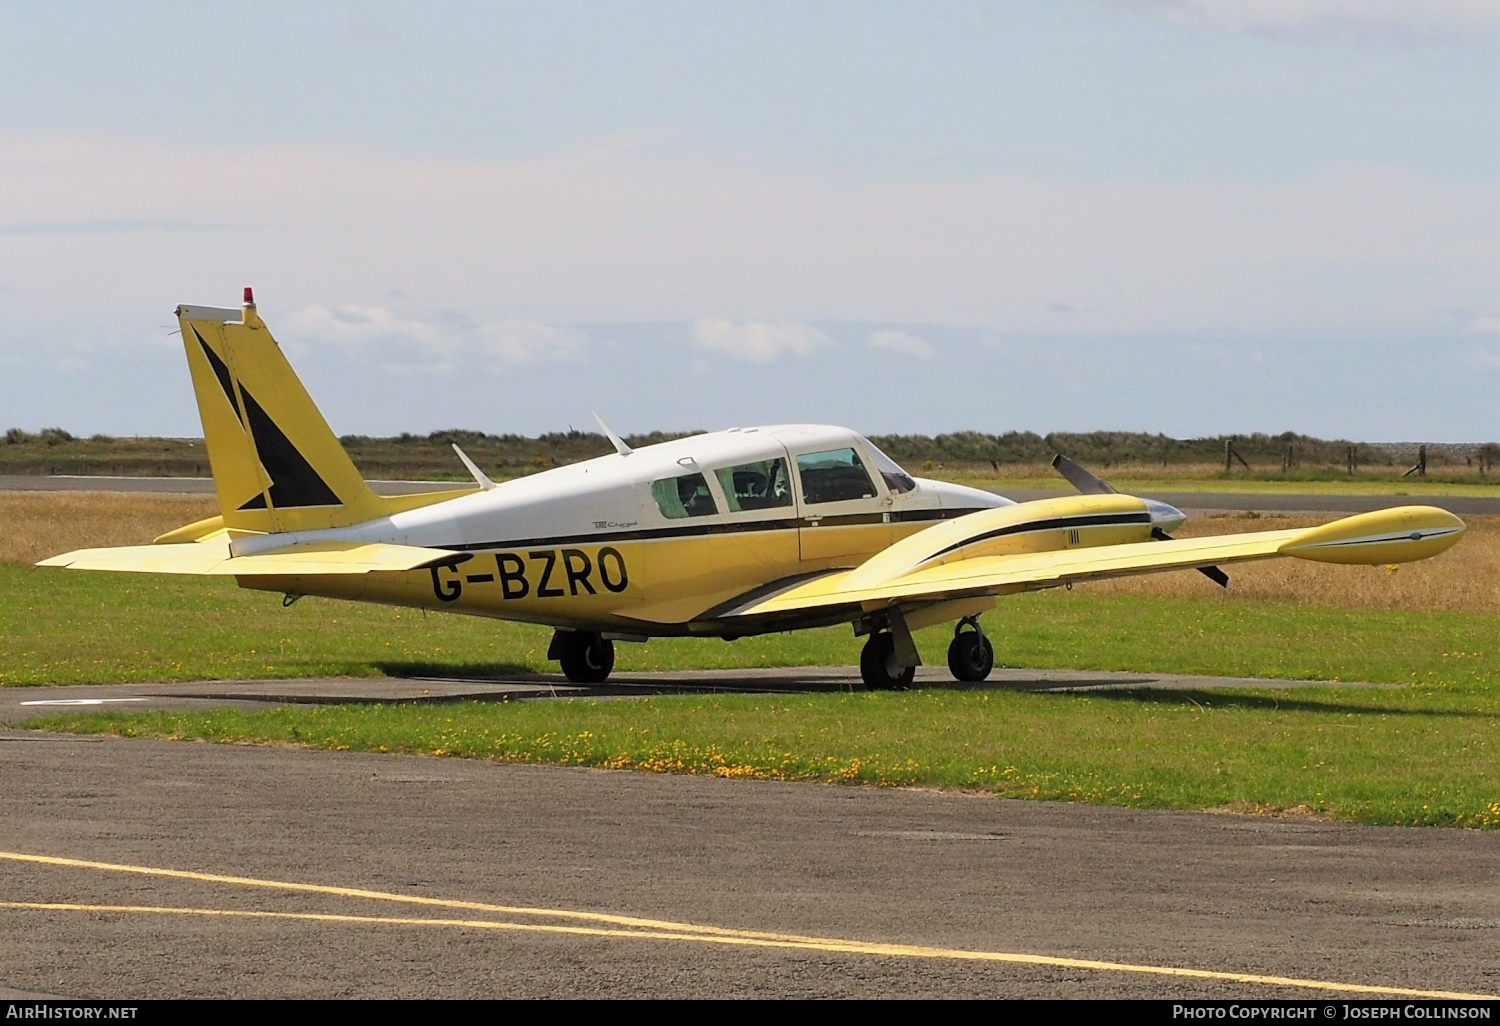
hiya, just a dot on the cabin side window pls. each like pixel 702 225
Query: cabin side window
pixel 762 485
pixel 686 496
pixel 833 476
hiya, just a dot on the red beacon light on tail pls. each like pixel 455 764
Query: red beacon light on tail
pixel 249 317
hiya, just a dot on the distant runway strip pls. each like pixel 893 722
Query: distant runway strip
pixel 1258 501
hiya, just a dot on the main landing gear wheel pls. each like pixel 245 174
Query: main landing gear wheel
pixel 586 657
pixel 970 655
pixel 877 665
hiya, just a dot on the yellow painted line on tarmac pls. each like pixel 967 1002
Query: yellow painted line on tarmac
pixel 633 928
pixel 405 899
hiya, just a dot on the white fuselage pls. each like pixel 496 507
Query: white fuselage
pixel 681 527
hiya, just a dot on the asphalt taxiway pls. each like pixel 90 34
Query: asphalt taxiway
pixel 132 868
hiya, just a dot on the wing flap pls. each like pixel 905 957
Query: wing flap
pixel 214 559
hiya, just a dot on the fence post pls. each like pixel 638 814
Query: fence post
pixel 1420 469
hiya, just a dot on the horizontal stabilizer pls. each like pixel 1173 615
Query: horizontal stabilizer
pixel 214 559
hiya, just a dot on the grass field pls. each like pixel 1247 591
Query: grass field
pixel 1425 752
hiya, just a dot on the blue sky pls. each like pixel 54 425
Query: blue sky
pixel 1188 216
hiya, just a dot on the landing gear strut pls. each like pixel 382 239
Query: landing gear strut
pixel 970 655
pixel 586 657
pixel 879 666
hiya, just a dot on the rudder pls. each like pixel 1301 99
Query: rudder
pixel 277 465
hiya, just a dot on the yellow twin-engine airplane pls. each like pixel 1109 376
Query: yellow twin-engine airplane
pixel 739 532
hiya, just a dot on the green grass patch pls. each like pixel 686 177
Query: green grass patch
pixel 64 627
pixel 1416 756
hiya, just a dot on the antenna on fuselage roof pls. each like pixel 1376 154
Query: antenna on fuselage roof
pixel 614 439
pixel 485 484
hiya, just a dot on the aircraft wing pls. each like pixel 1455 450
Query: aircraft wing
pixel 214 559
pixel 916 577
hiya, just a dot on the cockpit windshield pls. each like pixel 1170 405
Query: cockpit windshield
pixel 896 479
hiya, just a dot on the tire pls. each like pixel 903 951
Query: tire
pixel 877 665
pixel 971 657
pixel 586 658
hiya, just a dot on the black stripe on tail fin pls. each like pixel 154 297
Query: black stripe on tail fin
pixel 294 482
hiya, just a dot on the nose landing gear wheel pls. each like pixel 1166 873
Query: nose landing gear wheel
pixel 877 665
pixel 586 657
pixel 970 655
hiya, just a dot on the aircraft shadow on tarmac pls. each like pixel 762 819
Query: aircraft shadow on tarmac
pixel 519 684
pixel 478 673
pixel 471 683
pixel 838 680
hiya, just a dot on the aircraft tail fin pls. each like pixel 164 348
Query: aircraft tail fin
pixel 277 465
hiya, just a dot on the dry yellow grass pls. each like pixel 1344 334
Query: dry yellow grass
pixel 1465 579
pixel 35 525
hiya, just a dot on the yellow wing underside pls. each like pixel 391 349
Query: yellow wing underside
pixel 213 558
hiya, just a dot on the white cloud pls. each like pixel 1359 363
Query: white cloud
pixel 901 342
pixel 1399 20
pixel 358 325
pixel 622 236
pixel 515 341
pixel 1483 326
pixel 410 346
pixel 758 341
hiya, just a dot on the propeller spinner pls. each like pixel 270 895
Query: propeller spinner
pixel 1164 516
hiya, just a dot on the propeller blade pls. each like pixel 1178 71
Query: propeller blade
pixel 1212 572
pixel 1216 575
pixel 1079 478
